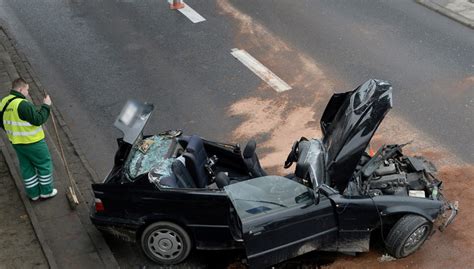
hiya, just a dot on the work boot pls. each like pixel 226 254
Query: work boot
pixel 52 194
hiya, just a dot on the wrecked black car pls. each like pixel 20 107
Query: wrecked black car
pixel 173 193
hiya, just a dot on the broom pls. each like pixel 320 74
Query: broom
pixel 70 191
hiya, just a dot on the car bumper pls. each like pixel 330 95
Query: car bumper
pixel 121 228
pixel 449 213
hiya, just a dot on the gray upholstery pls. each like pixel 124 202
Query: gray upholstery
pixel 251 160
pixel 181 173
pixel 222 180
pixel 169 182
pixel 196 158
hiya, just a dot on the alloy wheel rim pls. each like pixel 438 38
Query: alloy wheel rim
pixel 415 238
pixel 165 244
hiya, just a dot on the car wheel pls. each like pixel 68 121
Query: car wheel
pixel 407 235
pixel 166 243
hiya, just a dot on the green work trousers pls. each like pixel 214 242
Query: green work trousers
pixel 36 168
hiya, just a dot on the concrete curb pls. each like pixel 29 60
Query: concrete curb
pixel 6 151
pixel 446 12
pixel 96 238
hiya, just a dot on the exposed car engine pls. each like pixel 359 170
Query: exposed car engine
pixel 389 172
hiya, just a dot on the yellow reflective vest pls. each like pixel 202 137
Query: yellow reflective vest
pixel 18 130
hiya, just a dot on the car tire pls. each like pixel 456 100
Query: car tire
pixel 407 235
pixel 165 243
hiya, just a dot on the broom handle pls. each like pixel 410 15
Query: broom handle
pixel 63 157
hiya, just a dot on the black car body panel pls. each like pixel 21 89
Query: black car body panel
pixel 336 198
pixel 348 123
pixel 281 219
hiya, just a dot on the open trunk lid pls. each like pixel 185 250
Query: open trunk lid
pixel 132 120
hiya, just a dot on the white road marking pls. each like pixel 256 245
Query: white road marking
pixel 260 70
pixel 190 13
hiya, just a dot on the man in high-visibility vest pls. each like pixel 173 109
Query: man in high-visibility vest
pixel 22 122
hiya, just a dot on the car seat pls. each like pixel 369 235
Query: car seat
pixel 196 158
pixel 183 178
pixel 251 160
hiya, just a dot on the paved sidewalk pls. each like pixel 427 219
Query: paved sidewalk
pixel 19 246
pixel 67 237
pixel 459 10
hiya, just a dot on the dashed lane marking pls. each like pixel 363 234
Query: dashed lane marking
pixel 190 13
pixel 260 70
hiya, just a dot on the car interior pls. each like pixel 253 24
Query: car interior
pixel 193 162
pixel 204 164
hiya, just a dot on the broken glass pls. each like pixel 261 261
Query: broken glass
pixel 151 152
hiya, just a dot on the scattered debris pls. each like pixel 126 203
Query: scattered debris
pixel 386 258
pixel 145 145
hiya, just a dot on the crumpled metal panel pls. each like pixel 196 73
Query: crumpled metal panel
pixel 348 123
pixel 155 156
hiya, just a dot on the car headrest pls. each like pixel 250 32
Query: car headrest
pixel 249 150
pixel 222 180
pixel 195 144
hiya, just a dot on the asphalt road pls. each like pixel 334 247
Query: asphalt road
pixel 94 55
pixel 428 58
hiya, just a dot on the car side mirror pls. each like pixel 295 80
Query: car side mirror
pixel 306 196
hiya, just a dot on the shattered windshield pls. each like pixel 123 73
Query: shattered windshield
pixel 267 194
pixel 150 152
